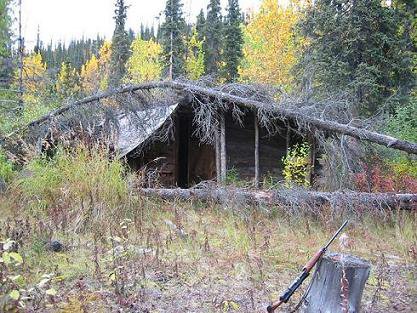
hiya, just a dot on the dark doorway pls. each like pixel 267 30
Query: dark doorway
pixel 183 149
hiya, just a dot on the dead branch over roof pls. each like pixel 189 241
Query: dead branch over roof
pixel 292 199
pixel 266 108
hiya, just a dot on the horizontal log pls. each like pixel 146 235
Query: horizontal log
pixel 288 197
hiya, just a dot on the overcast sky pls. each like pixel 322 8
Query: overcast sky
pixel 68 19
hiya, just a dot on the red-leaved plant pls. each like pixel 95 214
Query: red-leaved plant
pixel 374 179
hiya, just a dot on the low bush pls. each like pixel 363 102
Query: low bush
pixel 6 168
pixel 296 165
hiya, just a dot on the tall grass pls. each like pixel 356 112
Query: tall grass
pixel 73 187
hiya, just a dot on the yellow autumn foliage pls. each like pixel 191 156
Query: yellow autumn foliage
pixel 145 62
pixel 195 57
pixel 104 65
pixel 90 76
pixel 34 74
pixel 269 44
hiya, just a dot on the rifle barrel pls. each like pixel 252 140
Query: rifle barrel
pixel 336 234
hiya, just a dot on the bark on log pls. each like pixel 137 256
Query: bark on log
pixel 286 113
pixel 338 285
pixel 288 197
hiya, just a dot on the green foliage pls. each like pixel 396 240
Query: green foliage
pixel 12 281
pixel 404 166
pixel 195 57
pixel 120 45
pixel 296 165
pixel 5 39
pixel 5 23
pixel 35 106
pixel 270 182
pixel 77 52
pixel 358 47
pixel 200 25
pixel 68 84
pixel 80 185
pixel 232 177
pixel 15 289
pixel 6 168
pixel 233 41
pixel 404 122
pixel 403 125
pixel 173 33
pixel 147 33
pixel 213 33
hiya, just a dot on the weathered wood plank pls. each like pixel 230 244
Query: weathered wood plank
pixel 218 162
pixel 256 152
pixel 223 157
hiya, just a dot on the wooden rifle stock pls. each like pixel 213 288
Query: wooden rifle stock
pixel 304 274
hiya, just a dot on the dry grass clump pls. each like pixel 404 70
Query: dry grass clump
pixel 73 188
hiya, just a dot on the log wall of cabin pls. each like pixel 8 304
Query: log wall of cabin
pixel 159 157
pixel 240 148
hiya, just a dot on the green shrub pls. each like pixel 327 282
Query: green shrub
pixel 6 168
pixel 403 125
pixel 403 165
pixel 296 165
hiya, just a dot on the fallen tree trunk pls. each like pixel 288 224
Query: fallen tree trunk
pixel 96 97
pixel 335 127
pixel 289 197
pixel 322 124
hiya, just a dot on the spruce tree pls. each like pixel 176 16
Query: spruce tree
pixel 213 37
pixel 38 45
pixel 233 41
pixel 357 47
pixel 172 38
pixel 6 66
pixel 120 45
pixel 131 37
pixel 200 26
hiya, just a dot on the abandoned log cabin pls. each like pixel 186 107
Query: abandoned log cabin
pixel 168 145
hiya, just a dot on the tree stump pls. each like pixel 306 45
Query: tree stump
pixel 338 285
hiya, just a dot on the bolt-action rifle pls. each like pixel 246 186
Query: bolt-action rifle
pixel 304 274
